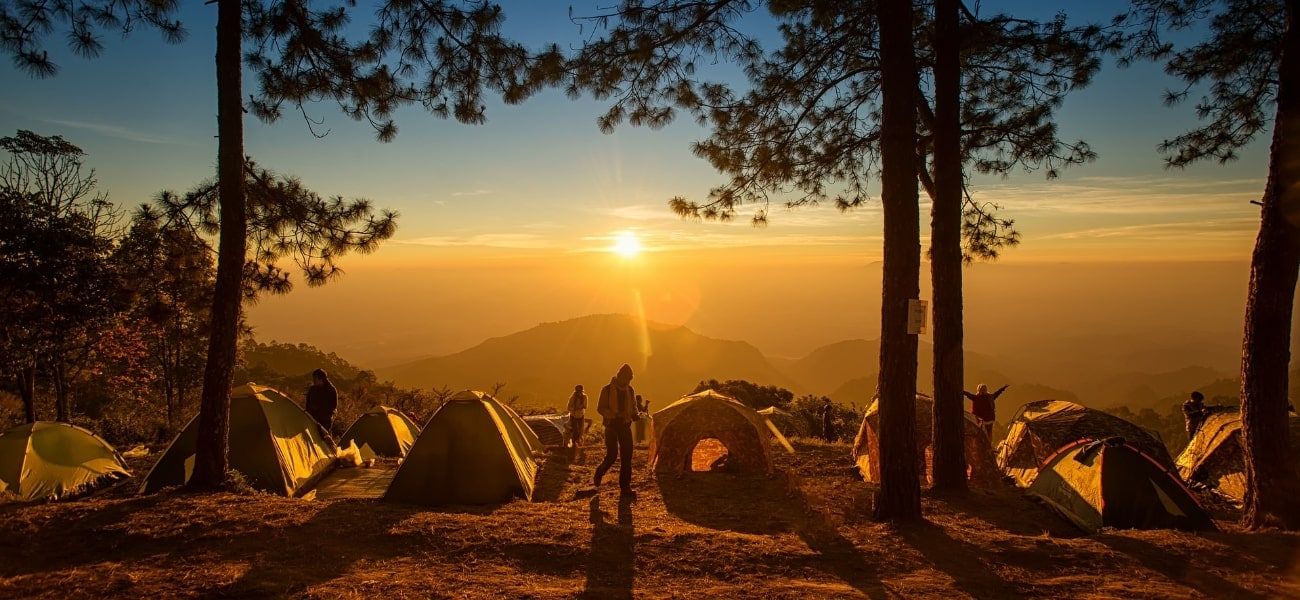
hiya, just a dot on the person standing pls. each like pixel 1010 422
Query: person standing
pixel 322 399
pixel 577 415
pixel 1194 413
pixel 984 406
pixel 617 407
pixel 827 413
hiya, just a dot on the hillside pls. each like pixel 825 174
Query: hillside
pixel 542 364
pixel 831 367
pixel 804 533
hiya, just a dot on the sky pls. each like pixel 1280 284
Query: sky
pixel 525 208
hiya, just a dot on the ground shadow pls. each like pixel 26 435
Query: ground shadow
pixel 754 504
pixel 959 560
pixel 1175 567
pixel 102 517
pixel 1009 509
pixel 553 476
pixel 611 569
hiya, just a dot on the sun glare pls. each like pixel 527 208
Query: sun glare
pixel 627 245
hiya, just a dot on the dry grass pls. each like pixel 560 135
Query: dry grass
pixel 804 533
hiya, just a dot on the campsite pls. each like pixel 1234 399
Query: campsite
pixel 650 299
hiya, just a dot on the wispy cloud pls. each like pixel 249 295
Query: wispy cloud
pixel 486 240
pixel 1126 196
pixel 115 131
pixel 464 193
pixel 1233 228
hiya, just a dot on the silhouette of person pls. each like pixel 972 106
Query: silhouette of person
pixel 617 407
pixel 322 399
pixel 577 415
pixel 827 413
pixel 983 405
pixel 1194 413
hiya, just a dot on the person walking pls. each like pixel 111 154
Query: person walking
pixel 577 416
pixel 617 408
pixel 983 405
pixel 322 399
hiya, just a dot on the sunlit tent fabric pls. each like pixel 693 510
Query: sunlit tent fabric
pixel 1213 456
pixel 274 443
pixel 786 422
pixel 678 427
pixel 550 429
pixel 381 431
pixel 981 467
pixel 46 460
pixel 1112 483
pixel 473 450
pixel 1041 428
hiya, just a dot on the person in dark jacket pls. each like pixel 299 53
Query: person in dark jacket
pixel 1194 413
pixel 617 407
pixel 322 399
pixel 827 413
pixel 983 404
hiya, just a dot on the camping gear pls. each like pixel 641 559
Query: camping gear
pixel 676 429
pixel 382 431
pixel 274 443
pixel 47 460
pixel 1213 457
pixel 550 429
pixel 473 450
pixel 1041 428
pixel 789 424
pixel 1111 483
pixel 981 467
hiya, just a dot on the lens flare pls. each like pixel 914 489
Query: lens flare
pixel 627 245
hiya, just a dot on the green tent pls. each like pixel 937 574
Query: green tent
pixel 1112 483
pixel 276 445
pixel 474 450
pixel 46 460
pixel 382 431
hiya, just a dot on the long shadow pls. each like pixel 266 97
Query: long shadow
pixel 611 568
pixel 752 504
pixel 1010 510
pixel 959 560
pixel 1172 566
pixel 553 476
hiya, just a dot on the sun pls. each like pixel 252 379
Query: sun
pixel 627 245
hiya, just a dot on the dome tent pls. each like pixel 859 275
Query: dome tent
pixel 678 427
pixel 789 424
pixel 1214 455
pixel 551 430
pixel 473 450
pixel 47 460
pixel 274 443
pixel 1111 483
pixel 382 431
pixel 979 451
pixel 1042 427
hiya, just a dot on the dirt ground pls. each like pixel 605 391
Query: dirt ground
pixel 803 533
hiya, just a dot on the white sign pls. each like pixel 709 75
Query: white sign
pixel 916 315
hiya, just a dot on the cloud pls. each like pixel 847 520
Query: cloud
pixel 115 131
pixel 1125 196
pixel 486 240
pixel 472 193
pixel 1205 230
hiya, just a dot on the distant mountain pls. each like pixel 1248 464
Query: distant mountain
pixel 542 364
pixel 831 368
pixel 1140 390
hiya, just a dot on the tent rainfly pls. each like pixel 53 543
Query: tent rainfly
pixel 382 431
pixel 678 427
pixel 473 450
pixel 47 460
pixel 277 446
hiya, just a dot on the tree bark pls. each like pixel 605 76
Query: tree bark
pixel 945 255
pixel 27 389
pixel 214 405
pixel 60 393
pixel 1272 485
pixel 899 498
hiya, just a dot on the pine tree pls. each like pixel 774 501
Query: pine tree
pixel 1250 58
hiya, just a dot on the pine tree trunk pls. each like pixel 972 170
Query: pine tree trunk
pixel 945 255
pixel 1272 487
pixel 27 389
pixel 899 498
pixel 214 405
pixel 60 393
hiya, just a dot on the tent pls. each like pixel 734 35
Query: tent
pixel 552 430
pixel 789 424
pixel 46 460
pixel 274 443
pixel 979 451
pixel 1040 428
pixel 678 427
pixel 473 450
pixel 382 431
pixel 1112 483
pixel 1214 456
